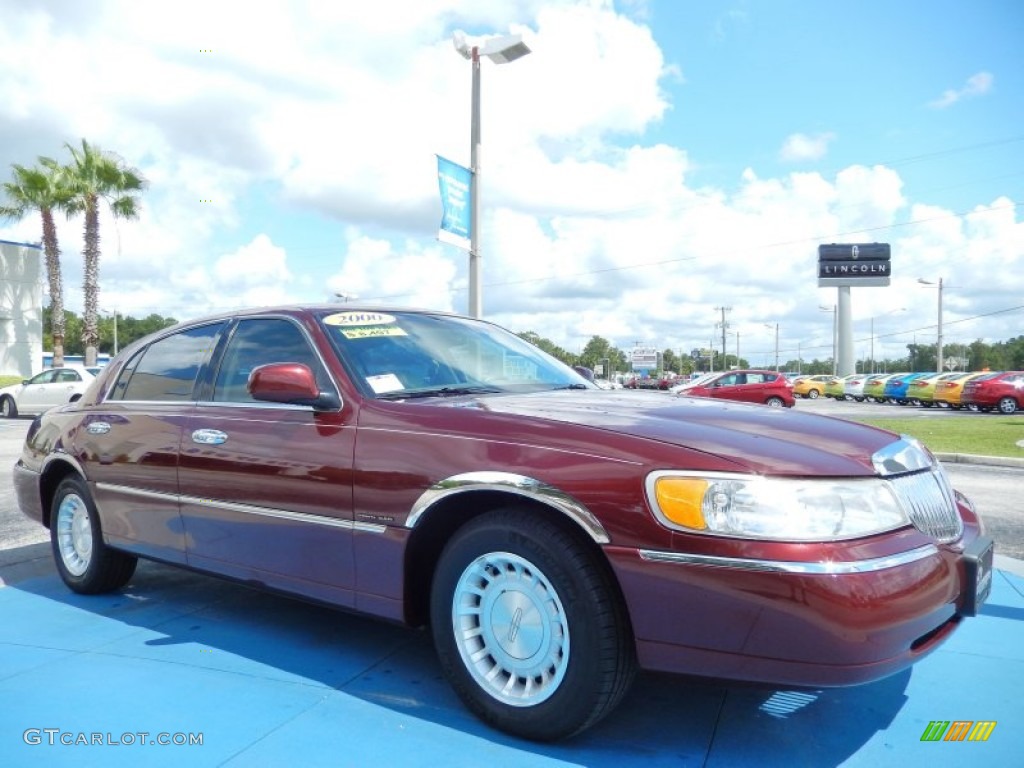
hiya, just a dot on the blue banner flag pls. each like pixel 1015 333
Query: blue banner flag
pixel 454 181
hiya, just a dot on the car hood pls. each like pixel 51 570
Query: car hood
pixel 753 438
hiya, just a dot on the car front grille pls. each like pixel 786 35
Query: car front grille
pixel 928 498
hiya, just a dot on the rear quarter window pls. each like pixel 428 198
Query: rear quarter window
pixel 167 369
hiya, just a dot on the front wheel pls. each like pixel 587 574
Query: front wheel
pixel 529 626
pixel 774 402
pixel 1007 405
pixel 813 394
pixel 83 561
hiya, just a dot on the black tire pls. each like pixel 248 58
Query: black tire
pixel 8 408
pixel 774 402
pixel 84 562
pixel 544 647
pixel 1007 405
pixel 813 394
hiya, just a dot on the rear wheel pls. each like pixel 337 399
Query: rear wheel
pixel 813 394
pixel 1007 405
pixel 529 627
pixel 8 408
pixel 774 402
pixel 83 561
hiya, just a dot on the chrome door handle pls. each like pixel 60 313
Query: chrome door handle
pixel 209 437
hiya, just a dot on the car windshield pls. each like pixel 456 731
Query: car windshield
pixel 401 355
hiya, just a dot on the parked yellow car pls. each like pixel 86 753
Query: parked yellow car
pixel 947 393
pixel 922 391
pixel 811 387
pixel 874 387
pixel 836 387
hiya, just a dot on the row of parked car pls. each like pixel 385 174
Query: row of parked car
pixel 1001 391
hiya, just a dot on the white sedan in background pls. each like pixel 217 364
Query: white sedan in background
pixel 55 386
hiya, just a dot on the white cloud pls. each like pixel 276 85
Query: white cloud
pixel 800 147
pixel 331 113
pixel 976 85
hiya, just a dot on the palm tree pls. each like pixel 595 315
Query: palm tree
pixel 42 189
pixel 95 175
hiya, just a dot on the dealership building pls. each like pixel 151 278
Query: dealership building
pixel 21 308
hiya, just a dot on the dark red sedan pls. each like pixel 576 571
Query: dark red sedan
pixel 1003 390
pixel 437 470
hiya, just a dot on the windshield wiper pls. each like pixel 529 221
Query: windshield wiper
pixel 438 392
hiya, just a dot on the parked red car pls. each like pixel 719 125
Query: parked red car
pixel 1002 390
pixel 767 387
pixel 438 470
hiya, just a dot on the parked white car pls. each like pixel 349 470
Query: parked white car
pixel 54 386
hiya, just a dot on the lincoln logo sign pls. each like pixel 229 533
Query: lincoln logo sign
pixel 854 264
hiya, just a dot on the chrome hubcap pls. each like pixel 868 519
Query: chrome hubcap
pixel 510 628
pixel 74 534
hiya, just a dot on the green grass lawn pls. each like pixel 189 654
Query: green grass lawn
pixel 6 381
pixel 981 433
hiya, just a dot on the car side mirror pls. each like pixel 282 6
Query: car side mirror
pixel 292 383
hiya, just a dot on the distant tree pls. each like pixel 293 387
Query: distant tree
pixel 42 189
pixel 94 175
pixel 549 346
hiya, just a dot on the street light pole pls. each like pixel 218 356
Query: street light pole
pixel 890 312
pixel 769 325
pixel 938 341
pixel 500 50
pixel 832 309
pixel 475 300
pixel 112 313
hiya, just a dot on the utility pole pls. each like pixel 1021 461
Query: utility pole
pixel 725 326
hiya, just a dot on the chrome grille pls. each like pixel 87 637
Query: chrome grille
pixel 928 499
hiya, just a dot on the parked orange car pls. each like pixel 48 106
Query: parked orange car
pixel 947 393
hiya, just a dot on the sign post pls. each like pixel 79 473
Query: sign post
pixel 845 265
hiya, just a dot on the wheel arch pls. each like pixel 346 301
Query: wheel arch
pixel 450 504
pixel 50 477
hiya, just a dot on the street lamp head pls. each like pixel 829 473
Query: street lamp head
pixel 462 44
pixel 503 49
pixel 500 48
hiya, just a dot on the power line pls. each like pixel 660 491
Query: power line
pixel 806 241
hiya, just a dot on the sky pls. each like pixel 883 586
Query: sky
pixel 651 168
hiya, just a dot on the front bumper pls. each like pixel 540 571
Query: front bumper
pixel 812 623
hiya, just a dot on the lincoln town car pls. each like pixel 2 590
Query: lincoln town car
pixel 439 471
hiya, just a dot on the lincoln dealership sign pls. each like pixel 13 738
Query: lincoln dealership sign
pixel 854 264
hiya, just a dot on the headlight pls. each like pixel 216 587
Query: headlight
pixel 774 508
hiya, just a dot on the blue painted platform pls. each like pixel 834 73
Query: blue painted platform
pixel 266 681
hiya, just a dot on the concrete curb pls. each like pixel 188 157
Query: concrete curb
pixel 1008 462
